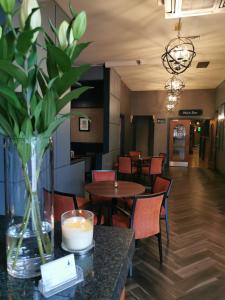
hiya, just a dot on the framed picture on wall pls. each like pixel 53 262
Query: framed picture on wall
pixel 84 124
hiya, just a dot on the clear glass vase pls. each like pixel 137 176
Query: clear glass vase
pixel 29 209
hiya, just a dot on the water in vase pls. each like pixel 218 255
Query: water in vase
pixel 26 262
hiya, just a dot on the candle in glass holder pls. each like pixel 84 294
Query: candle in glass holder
pixel 116 184
pixel 77 229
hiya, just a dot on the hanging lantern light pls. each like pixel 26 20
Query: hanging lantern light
pixel 179 54
pixel 170 106
pixel 174 85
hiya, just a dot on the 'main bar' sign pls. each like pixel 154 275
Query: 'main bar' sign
pixel 190 112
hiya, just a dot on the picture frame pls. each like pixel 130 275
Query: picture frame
pixel 84 124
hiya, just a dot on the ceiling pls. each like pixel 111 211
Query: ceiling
pixel 127 30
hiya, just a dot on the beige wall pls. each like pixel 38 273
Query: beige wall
pixel 119 103
pixel 220 94
pixel 125 109
pixel 95 135
pixel 154 103
pixel 220 153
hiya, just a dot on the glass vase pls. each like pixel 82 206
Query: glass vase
pixel 29 209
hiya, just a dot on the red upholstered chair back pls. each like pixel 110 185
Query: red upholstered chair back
pixel 161 184
pixel 62 203
pixel 125 165
pixel 156 165
pixel 134 153
pixel 146 215
pixel 103 175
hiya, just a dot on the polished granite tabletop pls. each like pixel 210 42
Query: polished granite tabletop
pixel 105 268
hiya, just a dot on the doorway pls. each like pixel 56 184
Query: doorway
pixel 179 143
pixel 192 143
pixel 143 134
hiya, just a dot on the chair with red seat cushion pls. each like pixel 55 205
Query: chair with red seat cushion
pixel 103 175
pixel 101 202
pixel 126 166
pixel 162 154
pixel 63 202
pixel 163 184
pixel 144 217
pixel 134 153
pixel 153 168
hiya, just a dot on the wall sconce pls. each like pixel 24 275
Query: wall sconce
pixel 131 118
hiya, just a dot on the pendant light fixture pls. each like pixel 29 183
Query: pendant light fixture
pixel 179 53
pixel 174 85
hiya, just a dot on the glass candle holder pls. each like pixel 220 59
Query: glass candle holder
pixel 116 184
pixel 77 229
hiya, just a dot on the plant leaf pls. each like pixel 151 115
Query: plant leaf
pixel 59 57
pixel 37 114
pixel 42 82
pixel 12 98
pixel 14 71
pixel 25 40
pixel 63 84
pixel 48 108
pixel 78 49
pixel 55 124
pixel 75 94
pixel 5 126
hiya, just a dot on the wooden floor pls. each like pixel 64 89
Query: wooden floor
pixel 194 258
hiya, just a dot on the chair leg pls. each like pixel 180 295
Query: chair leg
pixel 130 272
pixel 167 220
pixel 167 228
pixel 160 247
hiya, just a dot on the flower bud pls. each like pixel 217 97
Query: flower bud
pixel 8 6
pixel 26 10
pixel 79 25
pixel 62 35
pixel 0 32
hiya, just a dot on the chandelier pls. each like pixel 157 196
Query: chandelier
pixel 172 101
pixel 179 54
pixel 174 85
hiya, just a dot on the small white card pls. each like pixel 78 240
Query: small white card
pixel 58 272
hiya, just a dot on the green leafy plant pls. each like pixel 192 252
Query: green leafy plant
pixel 34 91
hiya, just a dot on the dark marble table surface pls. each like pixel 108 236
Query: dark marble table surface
pixel 105 268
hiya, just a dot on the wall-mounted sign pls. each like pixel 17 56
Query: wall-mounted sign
pixel 161 121
pixel 190 112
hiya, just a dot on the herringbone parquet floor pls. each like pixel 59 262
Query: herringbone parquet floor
pixel 194 258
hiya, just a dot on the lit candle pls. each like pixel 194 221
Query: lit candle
pixel 77 233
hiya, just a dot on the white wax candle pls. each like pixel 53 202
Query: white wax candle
pixel 77 233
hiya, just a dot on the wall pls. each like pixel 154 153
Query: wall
pixel 220 150
pixel 154 103
pixel 119 102
pixel 95 134
pixel 125 109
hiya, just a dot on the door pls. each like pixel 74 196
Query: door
pixel 179 142
pixel 143 134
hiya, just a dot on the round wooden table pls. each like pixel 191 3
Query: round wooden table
pixel 106 189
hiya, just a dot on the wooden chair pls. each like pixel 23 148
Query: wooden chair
pixel 134 153
pixel 103 175
pixel 155 167
pixel 144 217
pixel 127 167
pixel 163 184
pixel 162 154
pixel 63 202
pixel 100 202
